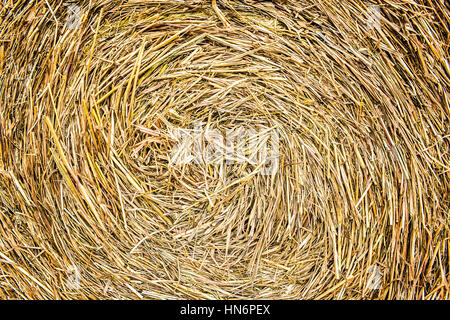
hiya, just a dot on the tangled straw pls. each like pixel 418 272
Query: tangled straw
pixel 91 206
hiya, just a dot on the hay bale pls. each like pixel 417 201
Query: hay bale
pixel 92 95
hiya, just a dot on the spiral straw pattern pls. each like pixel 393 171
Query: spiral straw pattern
pixel 356 94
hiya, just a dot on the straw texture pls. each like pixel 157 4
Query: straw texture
pixel 91 206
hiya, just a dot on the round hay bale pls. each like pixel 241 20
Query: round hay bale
pixel 224 149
